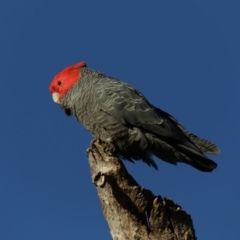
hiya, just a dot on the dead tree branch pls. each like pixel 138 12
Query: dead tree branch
pixel 131 211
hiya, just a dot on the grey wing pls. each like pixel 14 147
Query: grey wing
pixel 131 108
pixel 168 140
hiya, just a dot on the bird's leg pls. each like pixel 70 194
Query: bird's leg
pixel 93 148
pixel 90 149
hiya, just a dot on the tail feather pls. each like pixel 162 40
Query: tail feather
pixel 181 152
pixel 204 145
pixel 204 165
pixel 196 159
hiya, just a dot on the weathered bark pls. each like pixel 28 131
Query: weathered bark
pixel 131 211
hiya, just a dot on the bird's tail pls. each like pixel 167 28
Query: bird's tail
pixel 195 158
pixel 203 145
pixel 185 152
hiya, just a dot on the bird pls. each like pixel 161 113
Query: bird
pixel 116 112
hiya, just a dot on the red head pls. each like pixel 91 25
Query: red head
pixel 64 81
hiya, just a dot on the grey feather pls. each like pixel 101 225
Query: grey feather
pixel 111 109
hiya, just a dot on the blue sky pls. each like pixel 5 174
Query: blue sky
pixel 184 56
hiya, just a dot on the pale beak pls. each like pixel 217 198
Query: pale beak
pixel 55 97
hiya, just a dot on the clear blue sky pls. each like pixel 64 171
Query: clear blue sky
pixel 184 56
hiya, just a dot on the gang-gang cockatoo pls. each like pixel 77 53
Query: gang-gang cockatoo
pixel 116 112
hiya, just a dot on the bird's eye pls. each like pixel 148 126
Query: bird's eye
pixel 59 83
